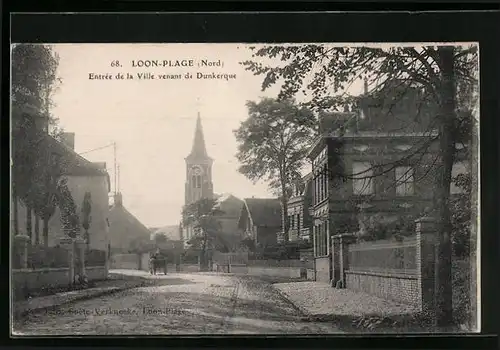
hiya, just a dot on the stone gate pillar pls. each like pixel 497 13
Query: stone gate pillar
pixel 335 244
pixel 426 234
pixel 344 241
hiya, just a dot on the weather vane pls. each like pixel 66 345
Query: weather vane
pixel 198 105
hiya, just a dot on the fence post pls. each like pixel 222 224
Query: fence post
pixel 345 240
pixel 21 245
pixel 67 243
pixel 426 232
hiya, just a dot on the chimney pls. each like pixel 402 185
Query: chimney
pixel 366 86
pixel 68 138
pixel 118 201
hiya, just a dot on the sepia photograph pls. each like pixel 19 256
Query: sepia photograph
pixel 266 189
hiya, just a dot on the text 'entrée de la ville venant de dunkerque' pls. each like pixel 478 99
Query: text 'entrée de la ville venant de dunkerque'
pixel 146 74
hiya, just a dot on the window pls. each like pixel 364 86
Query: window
pixel 316 240
pixel 362 181
pixel 325 181
pixel 198 181
pixel 321 239
pixel 298 221
pixel 320 185
pixel 459 168
pixel 316 189
pixel 404 181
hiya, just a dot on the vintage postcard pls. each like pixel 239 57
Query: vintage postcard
pixel 170 189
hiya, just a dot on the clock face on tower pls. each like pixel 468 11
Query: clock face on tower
pixel 196 170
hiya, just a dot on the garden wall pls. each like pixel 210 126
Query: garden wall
pixel 387 269
pixel 401 270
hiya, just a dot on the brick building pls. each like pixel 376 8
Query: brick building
pixel 228 218
pixel 371 163
pixel 260 220
pixel 298 210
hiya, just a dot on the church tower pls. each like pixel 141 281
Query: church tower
pixel 198 169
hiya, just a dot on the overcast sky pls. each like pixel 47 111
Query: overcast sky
pixel 153 121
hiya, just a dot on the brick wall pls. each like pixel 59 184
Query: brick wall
pixel 396 270
pixel 385 268
pixel 402 288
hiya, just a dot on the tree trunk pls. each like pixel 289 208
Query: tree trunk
pixel 46 232
pixel 444 309
pixel 15 210
pixel 37 229
pixel 29 226
pixel 284 214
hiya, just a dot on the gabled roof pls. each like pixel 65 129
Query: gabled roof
pixel 72 163
pixel 120 220
pixel 230 205
pixel 265 212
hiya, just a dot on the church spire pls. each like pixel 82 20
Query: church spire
pixel 199 151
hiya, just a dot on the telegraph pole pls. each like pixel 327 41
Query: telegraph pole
pixel 116 172
pixel 118 177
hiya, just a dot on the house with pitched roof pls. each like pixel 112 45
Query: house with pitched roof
pixel 260 220
pixel 82 176
pixel 126 232
pixel 372 164
pixel 299 203
pixel 228 219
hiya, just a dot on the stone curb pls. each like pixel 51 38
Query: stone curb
pixel 23 308
pixel 304 314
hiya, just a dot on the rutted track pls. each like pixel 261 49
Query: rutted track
pixel 179 304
